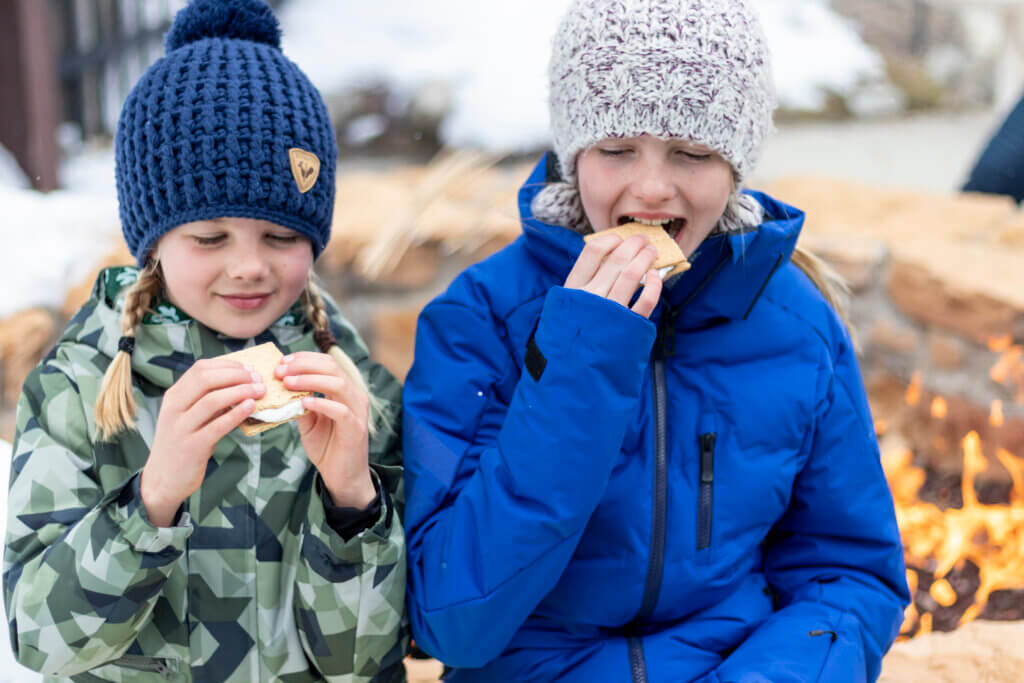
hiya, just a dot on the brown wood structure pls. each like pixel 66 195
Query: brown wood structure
pixel 72 61
pixel 28 89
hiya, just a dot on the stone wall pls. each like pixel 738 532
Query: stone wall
pixel 936 281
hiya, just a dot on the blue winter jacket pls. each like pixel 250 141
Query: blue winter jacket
pixel 594 496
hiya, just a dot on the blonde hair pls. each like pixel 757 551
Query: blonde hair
pixel 115 405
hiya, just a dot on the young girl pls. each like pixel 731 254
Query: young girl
pixel 148 538
pixel 611 478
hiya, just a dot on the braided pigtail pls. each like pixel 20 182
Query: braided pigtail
pixel 115 405
pixel 316 312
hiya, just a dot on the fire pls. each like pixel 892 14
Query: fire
pixel 913 394
pixel 995 415
pixel 938 542
pixel 990 536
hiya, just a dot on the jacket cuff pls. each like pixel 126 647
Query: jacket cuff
pixel 573 319
pixel 349 550
pixel 129 513
pixel 349 521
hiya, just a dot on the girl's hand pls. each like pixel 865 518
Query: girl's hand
pixel 335 430
pixel 213 397
pixel 614 268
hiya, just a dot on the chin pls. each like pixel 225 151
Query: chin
pixel 232 326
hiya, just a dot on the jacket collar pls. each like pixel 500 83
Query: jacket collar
pixel 729 271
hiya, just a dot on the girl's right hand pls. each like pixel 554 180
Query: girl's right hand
pixel 614 268
pixel 213 397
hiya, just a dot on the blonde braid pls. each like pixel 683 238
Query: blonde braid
pixel 316 312
pixel 115 405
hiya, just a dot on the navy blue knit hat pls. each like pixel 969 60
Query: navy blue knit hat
pixel 224 125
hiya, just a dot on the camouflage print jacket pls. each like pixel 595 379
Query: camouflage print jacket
pixel 250 585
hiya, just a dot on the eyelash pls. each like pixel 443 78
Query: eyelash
pixel 689 155
pixel 211 241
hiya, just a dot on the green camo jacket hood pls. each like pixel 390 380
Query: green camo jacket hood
pixel 250 584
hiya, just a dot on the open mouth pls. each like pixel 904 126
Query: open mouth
pixel 673 226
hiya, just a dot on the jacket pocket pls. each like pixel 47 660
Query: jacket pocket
pixel 707 439
pixel 160 666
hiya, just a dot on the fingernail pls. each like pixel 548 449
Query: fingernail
pixel 256 377
pixel 249 367
pixel 287 359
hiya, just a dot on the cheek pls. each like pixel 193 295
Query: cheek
pixel 295 269
pixel 596 191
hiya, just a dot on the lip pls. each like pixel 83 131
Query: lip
pixel 246 302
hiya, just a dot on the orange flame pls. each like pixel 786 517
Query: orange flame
pixel 995 415
pixel 939 408
pixel 990 536
pixel 913 393
pixel 1000 344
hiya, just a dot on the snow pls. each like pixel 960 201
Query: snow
pixel 493 57
pixel 815 51
pixel 11 174
pixel 10 670
pixel 51 242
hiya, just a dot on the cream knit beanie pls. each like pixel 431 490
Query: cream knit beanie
pixel 692 69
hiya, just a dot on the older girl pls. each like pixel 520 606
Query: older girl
pixel 612 478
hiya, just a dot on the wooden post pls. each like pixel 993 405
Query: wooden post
pixel 29 106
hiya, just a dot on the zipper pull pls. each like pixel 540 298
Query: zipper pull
pixel 707 457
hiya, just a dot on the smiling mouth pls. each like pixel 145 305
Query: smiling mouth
pixel 673 226
pixel 246 302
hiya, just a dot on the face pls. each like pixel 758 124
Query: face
pixel 234 275
pixel 675 183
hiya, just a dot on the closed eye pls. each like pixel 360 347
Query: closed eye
pixel 696 156
pixel 209 240
pixel 283 239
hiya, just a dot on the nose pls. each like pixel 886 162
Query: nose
pixel 651 184
pixel 247 262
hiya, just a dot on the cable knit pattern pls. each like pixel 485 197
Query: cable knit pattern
pixel 206 131
pixel 694 69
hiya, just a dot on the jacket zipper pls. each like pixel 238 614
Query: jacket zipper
pixel 155 665
pixel 637 666
pixel 656 561
pixel 706 493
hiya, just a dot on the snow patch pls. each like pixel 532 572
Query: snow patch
pixel 11 174
pixel 493 57
pixel 51 242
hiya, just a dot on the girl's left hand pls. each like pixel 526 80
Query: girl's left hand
pixel 334 429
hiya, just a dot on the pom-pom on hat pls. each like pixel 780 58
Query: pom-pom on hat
pixel 224 125
pixel 693 69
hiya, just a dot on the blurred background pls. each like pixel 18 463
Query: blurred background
pixel 440 109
